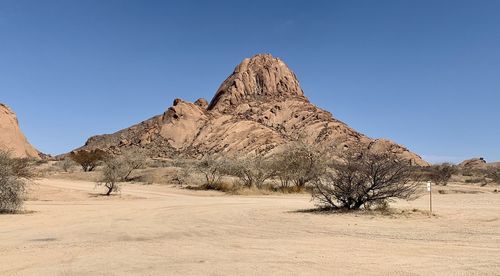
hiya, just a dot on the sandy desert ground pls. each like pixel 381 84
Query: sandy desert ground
pixel 162 230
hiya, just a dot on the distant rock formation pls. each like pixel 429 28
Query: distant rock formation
pixel 11 137
pixel 473 162
pixel 258 109
pixel 478 163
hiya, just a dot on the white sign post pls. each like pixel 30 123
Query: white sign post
pixel 429 189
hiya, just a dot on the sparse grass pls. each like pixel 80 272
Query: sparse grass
pixel 458 191
pixel 77 175
pixel 385 212
pixel 16 212
pixel 222 186
pixel 475 180
pixel 234 187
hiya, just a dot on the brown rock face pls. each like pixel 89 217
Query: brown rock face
pixel 473 163
pixel 201 103
pixel 258 109
pixel 478 163
pixel 11 137
pixel 261 77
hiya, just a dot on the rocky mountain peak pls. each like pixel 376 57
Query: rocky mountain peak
pixel 258 109
pixel 260 77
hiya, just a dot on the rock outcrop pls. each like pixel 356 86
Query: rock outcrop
pixel 260 78
pixel 258 109
pixel 11 137
pixel 473 163
pixel 477 163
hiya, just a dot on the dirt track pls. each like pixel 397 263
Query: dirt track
pixel 159 230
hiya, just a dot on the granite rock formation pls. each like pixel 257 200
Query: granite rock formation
pixel 259 108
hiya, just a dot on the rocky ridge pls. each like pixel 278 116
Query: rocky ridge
pixel 259 108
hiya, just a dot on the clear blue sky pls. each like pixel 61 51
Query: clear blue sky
pixel 425 74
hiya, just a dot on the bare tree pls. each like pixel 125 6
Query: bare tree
pixel 112 173
pixel 132 160
pixel 364 178
pixel 14 176
pixel 185 170
pixel 299 163
pixel 213 169
pixel 66 164
pixel 440 174
pixel 118 169
pixel 253 171
pixel 89 160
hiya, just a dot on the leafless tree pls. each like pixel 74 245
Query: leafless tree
pixel 185 170
pixel 113 173
pixel 253 171
pixel 130 161
pixel 299 163
pixel 66 164
pixel 213 169
pixel 440 174
pixel 14 176
pixel 364 178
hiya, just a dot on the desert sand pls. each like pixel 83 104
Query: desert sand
pixel 162 230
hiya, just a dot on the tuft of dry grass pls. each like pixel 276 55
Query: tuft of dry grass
pixel 384 212
pixel 234 187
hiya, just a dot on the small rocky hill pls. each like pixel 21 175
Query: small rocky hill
pixel 477 163
pixel 257 109
pixel 11 136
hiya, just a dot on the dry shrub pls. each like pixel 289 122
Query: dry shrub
pixel 484 176
pixel 185 170
pixel 113 172
pixel 292 189
pixel 213 169
pixel 222 186
pixel 475 180
pixel 366 179
pixel 14 176
pixel 119 168
pixel 299 164
pixel 494 174
pixel 66 165
pixel 252 171
pixel 440 174
pixel 130 161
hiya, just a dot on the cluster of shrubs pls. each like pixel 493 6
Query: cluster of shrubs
pixel 115 169
pixel 357 179
pixel 293 168
pixel 439 174
pixel 483 176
